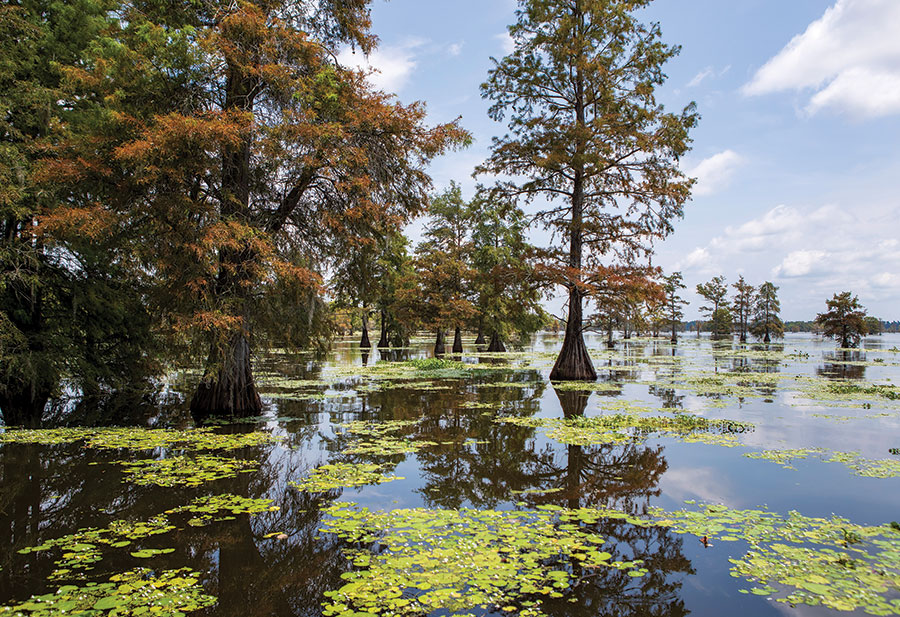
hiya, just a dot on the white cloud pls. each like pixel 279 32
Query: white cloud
pixel 810 253
pixel 392 65
pixel 850 57
pixel 861 92
pixel 800 263
pixel 697 260
pixel 714 173
pixel 455 49
pixel 506 41
pixel 699 77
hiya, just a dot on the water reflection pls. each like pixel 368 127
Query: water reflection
pixel 844 364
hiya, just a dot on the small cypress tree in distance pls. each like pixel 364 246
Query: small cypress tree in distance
pixel 766 323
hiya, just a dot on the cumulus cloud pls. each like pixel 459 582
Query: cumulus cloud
pixel 455 49
pixel 800 263
pixel 699 260
pixel 714 173
pixel 391 66
pixel 811 253
pixel 849 58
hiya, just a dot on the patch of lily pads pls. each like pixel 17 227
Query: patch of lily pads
pixel 622 428
pixel 184 470
pixel 867 468
pixel 343 475
pixel 135 593
pixel 461 561
pixel 138 438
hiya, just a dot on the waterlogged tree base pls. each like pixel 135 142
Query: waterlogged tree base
pixel 574 362
pixel 230 390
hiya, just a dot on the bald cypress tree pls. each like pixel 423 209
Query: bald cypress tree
pixel 587 133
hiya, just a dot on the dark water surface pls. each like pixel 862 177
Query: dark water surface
pixel 282 562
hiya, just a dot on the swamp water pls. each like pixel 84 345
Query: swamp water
pixel 696 479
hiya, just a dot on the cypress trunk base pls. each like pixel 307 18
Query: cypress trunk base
pixel 231 391
pixel 574 362
pixel 364 341
pixel 383 342
pixel 439 348
pixel 480 340
pixel 457 341
pixel 496 344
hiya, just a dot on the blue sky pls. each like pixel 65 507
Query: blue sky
pixel 797 153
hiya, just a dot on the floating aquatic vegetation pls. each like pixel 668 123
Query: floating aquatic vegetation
pixel 620 428
pixel 184 470
pixel 83 549
pixel 223 507
pixel 139 438
pixel 343 475
pixel 374 438
pixel 461 560
pixel 867 468
pixel 626 406
pixel 478 405
pixel 830 562
pixel 785 458
pixel 170 593
pixel 594 386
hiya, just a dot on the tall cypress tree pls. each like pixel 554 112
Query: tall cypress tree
pixel 587 133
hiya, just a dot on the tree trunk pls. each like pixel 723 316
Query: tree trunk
pixel 496 343
pixel 383 342
pixel 573 363
pixel 439 348
pixel 22 404
pixel 364 341
pixel 457 341
pixel 767 339
pixel 231 390
pixel 227 388
pixel 480 340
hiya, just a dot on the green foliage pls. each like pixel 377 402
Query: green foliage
pixel 622 428
pixel 184 470
pixel 342 475
pixel 844 321
pixel 222 508
pixel 766 323
pixel 718 309
pixel 113 438
pixel 460 561
pixel 674 303
pixel 169 593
